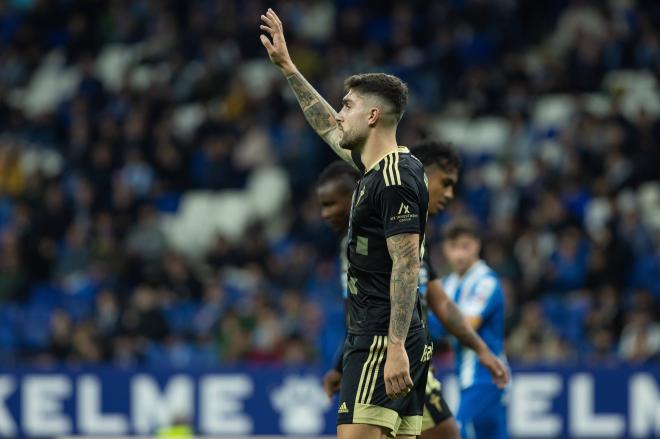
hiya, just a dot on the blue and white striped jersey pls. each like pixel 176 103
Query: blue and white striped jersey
pixel 478 294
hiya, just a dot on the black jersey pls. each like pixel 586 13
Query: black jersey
pixel 426 275
pixel 391 199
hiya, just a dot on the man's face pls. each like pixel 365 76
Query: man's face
pixel 353 120
pixel 441 187
pixel 335 203
pixel 462 252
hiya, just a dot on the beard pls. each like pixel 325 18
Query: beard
pixel 350 140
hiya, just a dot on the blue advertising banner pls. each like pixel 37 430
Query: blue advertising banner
pixel 552 403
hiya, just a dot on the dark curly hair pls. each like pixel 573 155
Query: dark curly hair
pixel 435 152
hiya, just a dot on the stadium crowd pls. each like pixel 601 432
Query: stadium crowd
pixel 112 112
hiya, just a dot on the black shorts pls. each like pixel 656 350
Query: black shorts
pixel 362 398
pixel 436 409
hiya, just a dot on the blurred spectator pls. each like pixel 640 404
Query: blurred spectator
pixel 143 318
pixel 234 338
pixel 136 173
pixel 13 279
pixel 640 339
pixel 212 308
pixel 533 340
pixel 61 333
pixel 145 239
pixel 107 314
pixel 74 255
pixel 267 336
pixel 141 146
pixel 179 279
pixel 567 267
pixel 86 344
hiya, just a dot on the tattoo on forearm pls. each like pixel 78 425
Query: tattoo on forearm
pixel 319 118
pixel 319 114
pixel 303 93
pixel 404 250
pixel 459 327
pixel 316 111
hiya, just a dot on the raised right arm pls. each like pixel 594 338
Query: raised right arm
pixel 318 112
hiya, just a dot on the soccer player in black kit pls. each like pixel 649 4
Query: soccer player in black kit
pixel 387 350
pixel 335 186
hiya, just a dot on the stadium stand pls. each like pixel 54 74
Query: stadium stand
pixel 156 177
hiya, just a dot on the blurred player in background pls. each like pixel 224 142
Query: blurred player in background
pixel 385 245
pixel 334 191
pixel 441 165
pixel 476 289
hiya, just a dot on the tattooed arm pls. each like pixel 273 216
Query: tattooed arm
pixel 404 251
pixel 317 111
pixel 464 331
pixel 319 114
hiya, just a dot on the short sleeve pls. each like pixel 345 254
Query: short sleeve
pixel 480 302
pixel 399 208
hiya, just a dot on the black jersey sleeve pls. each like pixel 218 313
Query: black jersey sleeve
pixel 399 207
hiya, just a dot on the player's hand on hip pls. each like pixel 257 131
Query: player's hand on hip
pixel 331 382
pixel 276 44
pixel 496 367
pixel 397 372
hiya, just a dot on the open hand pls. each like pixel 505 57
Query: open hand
pixel 276 44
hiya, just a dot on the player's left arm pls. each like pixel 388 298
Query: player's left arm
pixel 464 329
pixel 474 322
pixel 398 202
pixel 482 304
pixel 404 251
pixel 461 327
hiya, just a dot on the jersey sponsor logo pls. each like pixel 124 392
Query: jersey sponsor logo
pixel 404 214
pixel 343 408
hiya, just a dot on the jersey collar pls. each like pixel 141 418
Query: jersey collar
pixel 479 265
pixel 377 164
